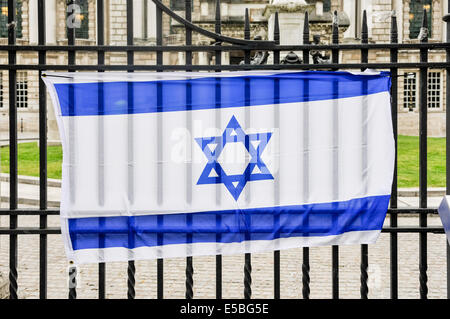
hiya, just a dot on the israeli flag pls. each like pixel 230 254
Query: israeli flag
pixel 161 165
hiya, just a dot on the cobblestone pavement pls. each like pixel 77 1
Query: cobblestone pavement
pixel 262 275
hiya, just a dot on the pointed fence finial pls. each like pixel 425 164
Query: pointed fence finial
pixel 335 32
pixel 394 29
pixel 247 26
pixel 276 29
pixel 306 29
pixel 364 29
pixel 218 25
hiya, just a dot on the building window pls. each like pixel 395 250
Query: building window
pixel 326 5
pixel 4 19
pixel 140 20
pixel 434 90
pixel 81 19
pixel 178 5
pixel 145 19
pixel 22 90
pixel 416 8
pixel 409 90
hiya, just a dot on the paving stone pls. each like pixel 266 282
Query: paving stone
pixel 233 268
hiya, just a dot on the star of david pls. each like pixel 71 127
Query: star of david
pixel 256 169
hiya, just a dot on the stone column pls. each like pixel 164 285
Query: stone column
pixel 33 21
pixel 50 21
pixel 203 58
pixel 381 22
pixel 291 16
pixel 138 17
pixel 151 23
pixel 50 34
pixel 225 58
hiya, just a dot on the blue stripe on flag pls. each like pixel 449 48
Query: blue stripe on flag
pixel 322 219
pixel 291 89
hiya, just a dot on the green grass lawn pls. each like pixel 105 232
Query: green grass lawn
pixel 28 160
pixel 408 161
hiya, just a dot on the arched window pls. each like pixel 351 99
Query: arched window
pixel 81 18
pixel 4 19
pixel 416 8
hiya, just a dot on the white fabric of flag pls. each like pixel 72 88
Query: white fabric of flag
pixel 175 164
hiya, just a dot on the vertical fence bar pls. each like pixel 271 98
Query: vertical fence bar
pixel 130 61
pixel 101 181
pixel 189 262
pixel 248 256
pixel 446 18
pixel 448 269
pixel 246 37
pixel 335 249
pixel 276 39
pixel 71 62
pixel 188 17
pixel 72 281
pixel 12 150
pixel 159 61
pixel 276 254
pixel 394 196
pixel 305 263
pixel 71 55
pixel 218 93
pixel 364 289
pixel 423 159
pixel 42 155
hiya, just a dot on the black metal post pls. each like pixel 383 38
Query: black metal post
pixel 101 62
pixel 189 261
pixel 131 282
pixel 423 159
pixel 72 281
pixel 276 254
pixel 446 19
pixel 394 199
pixel 335 249
pixel 42 155
pixel 159 62
pixel 364 289
pixel 12 150
pixel 305 263
pixel 218 56
pixel 246 37
pixel 248 256
pixel 71 62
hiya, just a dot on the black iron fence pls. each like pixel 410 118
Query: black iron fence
pixel 260 49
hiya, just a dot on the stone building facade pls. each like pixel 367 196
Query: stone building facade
pixel 409 19
pixel 261 14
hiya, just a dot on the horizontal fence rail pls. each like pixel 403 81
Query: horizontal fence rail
pixel 222 43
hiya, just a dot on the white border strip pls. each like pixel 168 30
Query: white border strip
pixel 88 77
pixel 201 249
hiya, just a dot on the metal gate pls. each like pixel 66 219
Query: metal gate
pixel 258 61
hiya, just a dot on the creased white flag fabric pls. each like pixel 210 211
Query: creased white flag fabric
pixel 159 165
